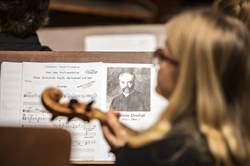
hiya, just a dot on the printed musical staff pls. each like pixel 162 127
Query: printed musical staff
pixel 79 81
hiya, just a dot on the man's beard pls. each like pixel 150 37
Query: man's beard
pixel 127 90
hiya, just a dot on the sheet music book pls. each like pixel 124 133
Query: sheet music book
pixel 23 83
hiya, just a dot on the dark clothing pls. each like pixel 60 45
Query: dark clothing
pixel 178 148
pixel 10 42
pixel 134 102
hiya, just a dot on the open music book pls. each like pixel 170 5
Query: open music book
pixel 23 83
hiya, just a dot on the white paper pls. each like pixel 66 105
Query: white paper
pixel 11 86
pixel 121 42
pixel 23 83
pixel 77 80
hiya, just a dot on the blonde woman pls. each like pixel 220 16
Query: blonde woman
pixel 204 71
pixel 236 8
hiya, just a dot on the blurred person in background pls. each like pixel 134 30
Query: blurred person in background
pixel 19 21
pixel 236 8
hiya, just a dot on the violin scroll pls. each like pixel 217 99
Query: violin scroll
pixel 51 101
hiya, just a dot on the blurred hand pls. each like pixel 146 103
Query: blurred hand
pixel 113 132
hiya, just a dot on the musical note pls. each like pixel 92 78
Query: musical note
pixel 31 95
pixel 34 118
pixel 33 103
pixel 84 143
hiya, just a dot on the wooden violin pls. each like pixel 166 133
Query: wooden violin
pixel 51 101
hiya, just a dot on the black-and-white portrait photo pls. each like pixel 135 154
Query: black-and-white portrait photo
pixel 128 89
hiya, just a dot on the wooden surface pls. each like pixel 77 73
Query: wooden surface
pixel 72 39
pixel 119 8
pixel 30 56
pixel 34 147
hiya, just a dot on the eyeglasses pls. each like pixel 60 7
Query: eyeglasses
pixel 161 55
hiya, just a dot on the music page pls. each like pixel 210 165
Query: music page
pixel 80 81
pixel 127 88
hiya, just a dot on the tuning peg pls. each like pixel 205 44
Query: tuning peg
pixel 89 105
pixel 53 117
pixel 72 102
pixel 69 119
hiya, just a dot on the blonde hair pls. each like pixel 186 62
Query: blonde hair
pixel 214 77
pixel 236 8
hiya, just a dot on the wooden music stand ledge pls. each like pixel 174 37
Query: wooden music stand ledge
pixel 34 147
